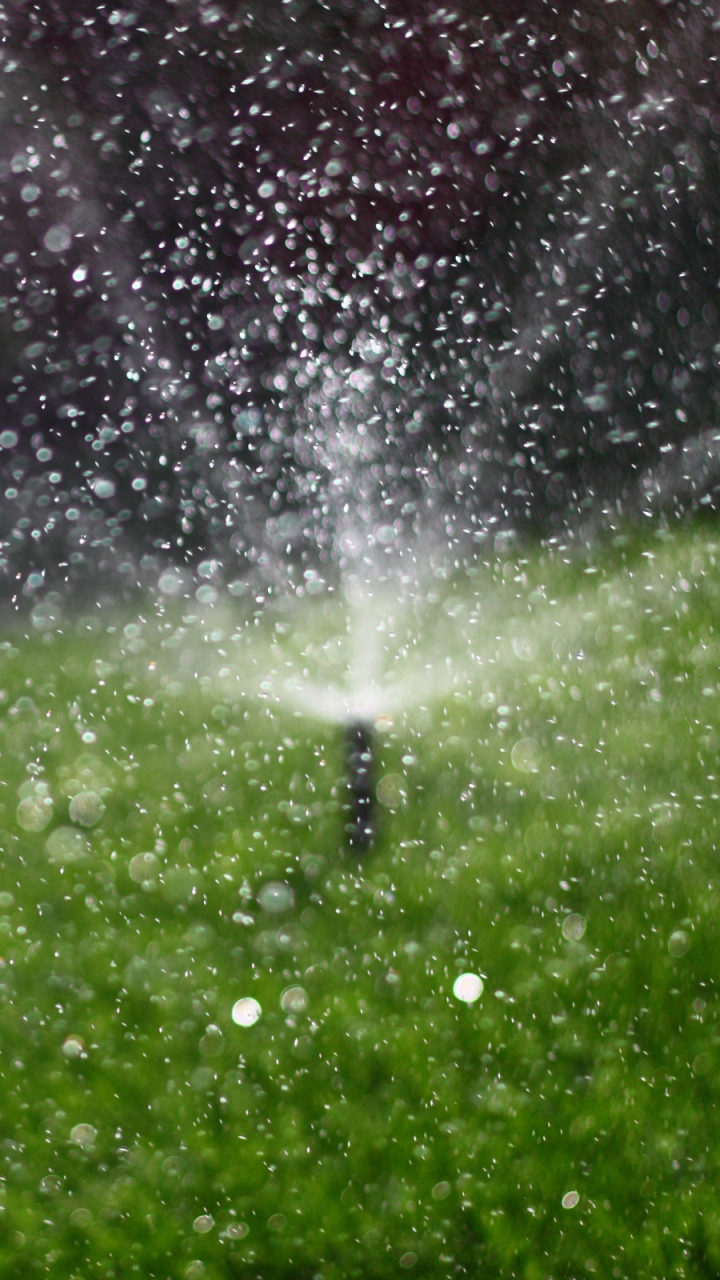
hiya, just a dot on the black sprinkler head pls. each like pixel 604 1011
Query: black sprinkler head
pixel 361 825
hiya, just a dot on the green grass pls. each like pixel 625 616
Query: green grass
pixel 555 831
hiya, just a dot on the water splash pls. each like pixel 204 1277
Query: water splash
pixel 369 669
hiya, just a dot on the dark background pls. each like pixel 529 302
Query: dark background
pixel 481 236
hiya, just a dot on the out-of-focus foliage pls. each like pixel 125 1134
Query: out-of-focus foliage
pixel 228 1050
pixel 478 240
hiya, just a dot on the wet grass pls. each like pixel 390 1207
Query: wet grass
pixel 168 849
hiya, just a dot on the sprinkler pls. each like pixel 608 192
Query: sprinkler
pixel 360 827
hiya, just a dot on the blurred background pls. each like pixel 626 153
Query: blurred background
pixel 452 265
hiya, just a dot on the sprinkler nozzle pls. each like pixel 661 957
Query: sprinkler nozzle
pixel 360 828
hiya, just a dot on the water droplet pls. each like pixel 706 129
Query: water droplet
pixel 34 813
pixel 441 1190
pixel 525 755
pixel 58 238
pixel 83 1134
pixel 144 868
pixel 678 943
pixel 211 1043
pixel 525 647
pixel 45 615
pixel 574 927
pixel 66 845
pixel 81 1218
pixel 51 1185
pixel 468 987
pixel 391 791
pixel 172 582
pixel 86 808
pixel 276 897
pixel 246 1012
pixel 570 1199
pixel 237 1231
pixel 73 1047
pixel 294 1000
pixel 596 402
pixel 203 1223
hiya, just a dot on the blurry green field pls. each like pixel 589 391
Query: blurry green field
pixel 552 826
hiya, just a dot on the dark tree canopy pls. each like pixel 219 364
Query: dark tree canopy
pixel 476 243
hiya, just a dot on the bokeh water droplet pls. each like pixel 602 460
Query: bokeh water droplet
pixel 245 1012
pixel 66 845
pixel 574 927
pixel 294 1000
pixel 86 808
pixel 276 898
pixel 35 813
pixel 144 867
pixel 525 755
pixel 678 943
pixel 83 1135
pixel 468 987
pixel 392 791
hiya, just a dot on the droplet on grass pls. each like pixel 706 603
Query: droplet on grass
pixel 246 1012
pixel 468 987
pixel 570 1199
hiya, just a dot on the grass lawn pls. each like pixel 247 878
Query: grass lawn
pixel 171 853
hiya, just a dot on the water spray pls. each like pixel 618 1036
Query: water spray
pixel 361 825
